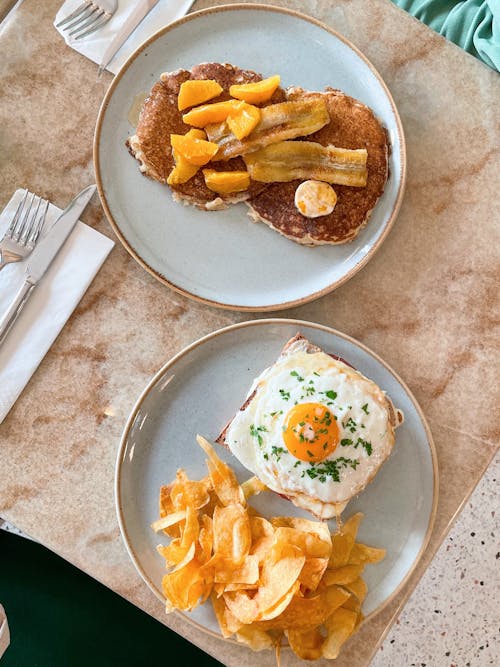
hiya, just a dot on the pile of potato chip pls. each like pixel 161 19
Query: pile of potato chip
pixel 266 579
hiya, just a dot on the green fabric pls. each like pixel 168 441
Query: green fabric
pixel 60 617
pixel 472 24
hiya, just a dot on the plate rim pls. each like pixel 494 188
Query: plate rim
pixel 212 302
pixel 243 325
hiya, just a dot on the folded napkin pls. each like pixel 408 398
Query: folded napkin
pixel 94 45
pixel 51 302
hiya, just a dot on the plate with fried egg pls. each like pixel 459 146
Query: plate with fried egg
pixel 276 243
pixel 317 417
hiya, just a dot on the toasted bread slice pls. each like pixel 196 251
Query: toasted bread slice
pixel 352 125
pixel 255 433
pixel 160 117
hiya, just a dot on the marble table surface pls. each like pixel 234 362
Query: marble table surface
pixel 427 302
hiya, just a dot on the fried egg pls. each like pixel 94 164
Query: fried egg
pixel 313 429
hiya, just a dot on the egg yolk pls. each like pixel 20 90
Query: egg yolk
pixel 310 432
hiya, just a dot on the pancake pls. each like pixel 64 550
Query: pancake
pixel 353 125
pixel 160 117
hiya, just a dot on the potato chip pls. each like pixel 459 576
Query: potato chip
pixel 185 492
pixel 223 479
pixel 279 573
pixel 361 553
pixel 252 487
pixel 343 541
pixel 226 572
pixel 307 644
pixel 232 534
pixel 312 572
pixel 343 575
pixel 256 639
pixel 311 543
pixel 340 625
pixel 306 613
pixel 228 623
pixel 167 521
pixel 184 587
pixel 205 539
pixel 358 588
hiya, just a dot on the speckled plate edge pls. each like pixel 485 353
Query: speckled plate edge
pixel 273 307
pixel 251 323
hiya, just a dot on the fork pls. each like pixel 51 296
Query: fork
pixel 24 231
pixel 88 17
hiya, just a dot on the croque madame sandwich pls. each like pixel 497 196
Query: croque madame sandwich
pixel 310 165
pixel 313 429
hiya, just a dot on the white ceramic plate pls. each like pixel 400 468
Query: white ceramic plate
pixel 201 388
pixel 222 258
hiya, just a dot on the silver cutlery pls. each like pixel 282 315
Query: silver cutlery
pixel 141 10
pixel 43 257
pixel 24 231
pixel 88 17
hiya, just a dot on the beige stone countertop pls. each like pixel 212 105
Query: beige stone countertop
pixel 427 302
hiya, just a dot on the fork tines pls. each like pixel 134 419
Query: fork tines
pixel 28 220
pixel 86 18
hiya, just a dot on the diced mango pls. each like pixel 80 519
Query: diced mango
pixel 225 182
pixel 183 169
pixel 243 120
pixel 195 92
pixel 196 151
pixel 256 93
pixel 210 113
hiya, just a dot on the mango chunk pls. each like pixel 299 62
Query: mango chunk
pixel 243 120
pixel 195 151
pixel 256 93
pixel 194 92
pixel 210 113
pixel 225 182
pixel 183 169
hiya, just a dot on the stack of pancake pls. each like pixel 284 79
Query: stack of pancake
pixel 352 125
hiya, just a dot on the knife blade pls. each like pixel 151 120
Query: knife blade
pixel 131 23
pixel 43 256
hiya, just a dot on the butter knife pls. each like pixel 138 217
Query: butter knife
pixel 43 256
pixel 127 29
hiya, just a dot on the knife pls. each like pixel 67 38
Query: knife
pixel 127 29
pixel 42 257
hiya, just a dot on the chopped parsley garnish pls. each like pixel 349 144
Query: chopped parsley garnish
pixel 277 452
pixel 296 375
pixel 330 469
pixel 276 412
pixel 365 408
pixel 297 463
pixel 350 425
pixel 309 453
pixel 285 395
pixel 367 446
pixel 255 431
pixel 345 442
pixel 314 373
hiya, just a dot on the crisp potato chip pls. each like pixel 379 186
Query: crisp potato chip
pixel 361 553
pixel 223 479
pixel 226 572
pixel 358 588
pixel 256 639
pixel 279 573
pixel 228 623
pixel 307 644
pixel 311 543
pixel 308 612
pixel 312 572
pixel 185 492
pixel 232 533
pixel 340 625
pixel 343 541
pixel 183 588
pixel 279 607
pixel 343 575
pixel 205 539
pixel 252 487
pixel 167 521
pixel 318 528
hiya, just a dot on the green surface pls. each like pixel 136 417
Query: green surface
pixel 473 25
pixel 60 617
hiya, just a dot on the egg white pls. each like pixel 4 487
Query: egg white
pixel 363 415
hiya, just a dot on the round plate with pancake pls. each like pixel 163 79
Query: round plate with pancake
pixel 222 257
pixel 203 386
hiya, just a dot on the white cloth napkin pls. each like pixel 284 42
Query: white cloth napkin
pixel 94 45
pixel 50 304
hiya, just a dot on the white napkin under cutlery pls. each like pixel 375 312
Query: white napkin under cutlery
pixel 95 44
pixel 52 302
